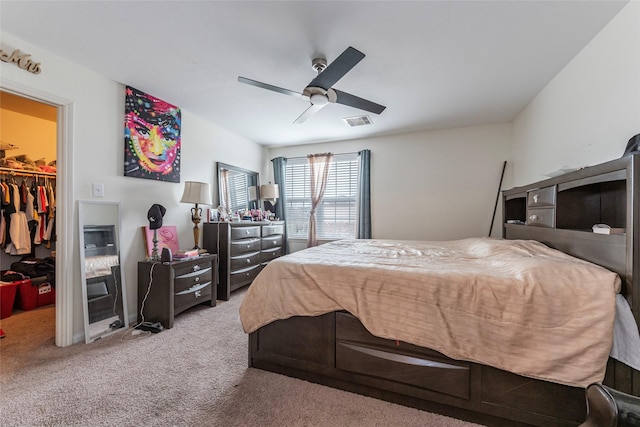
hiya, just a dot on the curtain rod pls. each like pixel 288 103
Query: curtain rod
pixel 19 172
pixel 304 157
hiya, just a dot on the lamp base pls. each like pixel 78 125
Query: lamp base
pixel 195 217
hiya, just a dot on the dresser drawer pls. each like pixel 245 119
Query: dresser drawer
pixel 196 275
pixel 269 254
pixel 246 275
pixel 270 230
pixel 243 261
pixel 191 296
pixel 272 241
pixel 541 217
pixel 542 197
pixel 244 245
pixel 245 232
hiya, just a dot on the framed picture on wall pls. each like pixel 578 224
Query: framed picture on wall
pixel 151 137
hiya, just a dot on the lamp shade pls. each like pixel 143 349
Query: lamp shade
pixel 269 191
pixel 196 192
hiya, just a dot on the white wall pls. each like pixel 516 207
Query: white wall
pixel 95 145
pixel 588 112
pixel 437 185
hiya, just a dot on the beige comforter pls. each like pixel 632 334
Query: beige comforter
pixel 513 304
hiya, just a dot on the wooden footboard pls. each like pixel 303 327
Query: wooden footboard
pixel 336 350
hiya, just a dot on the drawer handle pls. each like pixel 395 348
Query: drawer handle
pixel 196 267
pixel 248 260
pixel 197 279
pixel 247 231
pixel 535 198
pixel 534 217
pixel 197 294
pixel 275 243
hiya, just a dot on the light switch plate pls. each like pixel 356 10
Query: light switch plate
pixel 98 189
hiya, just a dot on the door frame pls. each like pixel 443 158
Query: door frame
pixel 64 205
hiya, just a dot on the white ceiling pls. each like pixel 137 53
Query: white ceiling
pixel 433 64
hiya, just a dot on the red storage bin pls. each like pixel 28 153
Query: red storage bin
pixel 34 292
pixel 7 297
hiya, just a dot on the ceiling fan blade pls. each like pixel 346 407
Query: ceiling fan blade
pixel 308 113
pixel 268 86
pixel 345 98
pixel 338 68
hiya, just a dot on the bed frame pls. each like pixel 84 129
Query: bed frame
pixel 336 350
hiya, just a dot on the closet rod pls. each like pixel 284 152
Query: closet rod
pixel 17 172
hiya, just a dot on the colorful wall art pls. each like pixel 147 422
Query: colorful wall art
pixel 151 137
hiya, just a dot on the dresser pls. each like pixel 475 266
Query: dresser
pixel 244 248
pixel 174 287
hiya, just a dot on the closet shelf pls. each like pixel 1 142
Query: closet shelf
pixel 22 172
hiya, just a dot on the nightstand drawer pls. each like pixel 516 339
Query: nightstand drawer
pixel 542 197
pixel 191 296
pixel 245 245
pixel 245 232
pixel 243 261
pixel 542 217
pixel 192 278
pixel 270 230
pixel 272 241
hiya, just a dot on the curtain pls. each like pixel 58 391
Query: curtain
pixel 319 172
pixel 224 187
pixel 279 178
pixel 364 196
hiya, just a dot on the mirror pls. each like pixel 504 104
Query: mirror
pixel 238 189
pixel 103 296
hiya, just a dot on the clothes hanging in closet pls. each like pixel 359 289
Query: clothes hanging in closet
pixel 28 214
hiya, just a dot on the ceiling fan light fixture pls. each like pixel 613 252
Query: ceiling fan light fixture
pixel 319 99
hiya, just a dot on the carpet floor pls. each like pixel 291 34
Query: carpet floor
pixel 194 374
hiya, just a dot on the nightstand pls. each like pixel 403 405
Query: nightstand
pixel 171 288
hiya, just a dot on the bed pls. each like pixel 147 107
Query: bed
pixel 500 331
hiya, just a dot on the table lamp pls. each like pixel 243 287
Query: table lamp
pixel 197 193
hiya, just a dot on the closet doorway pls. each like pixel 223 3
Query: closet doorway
pixel 28 169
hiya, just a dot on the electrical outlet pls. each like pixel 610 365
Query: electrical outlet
pixel 98 189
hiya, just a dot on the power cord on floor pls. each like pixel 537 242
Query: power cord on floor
pixel 136 331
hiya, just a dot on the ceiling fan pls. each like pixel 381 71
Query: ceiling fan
pixel 319 92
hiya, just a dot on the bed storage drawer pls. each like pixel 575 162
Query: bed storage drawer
pixel 359 352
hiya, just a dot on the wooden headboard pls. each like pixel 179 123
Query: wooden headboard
pixel 561 213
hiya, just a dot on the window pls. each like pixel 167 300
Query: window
pixel 337 214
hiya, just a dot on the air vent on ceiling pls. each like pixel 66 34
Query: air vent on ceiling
pixel 358 121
